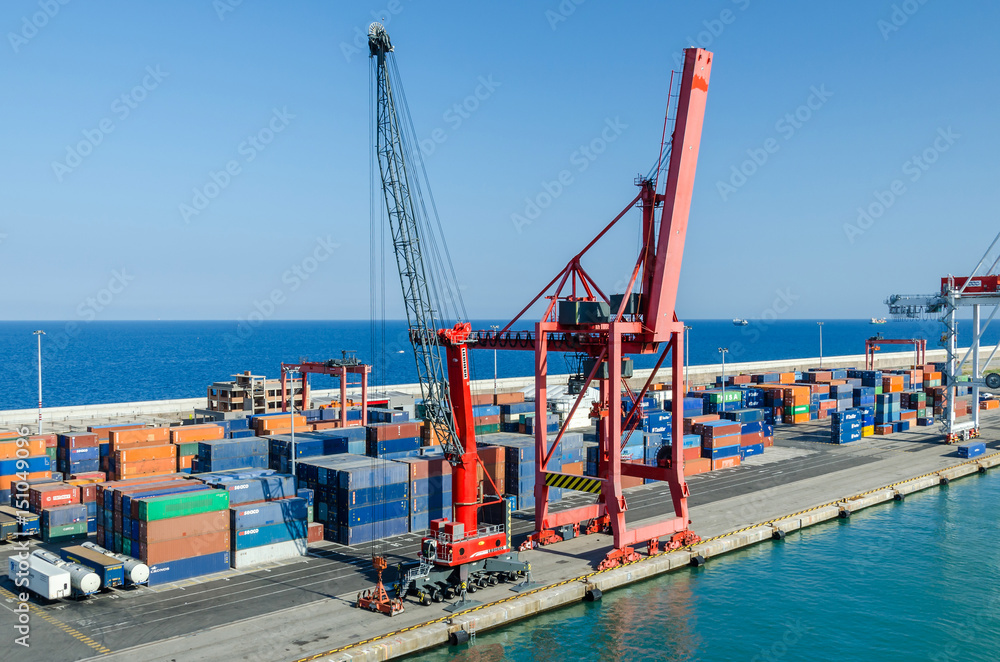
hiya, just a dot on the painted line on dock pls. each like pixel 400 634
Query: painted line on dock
pixel 73 632
pixel 365 642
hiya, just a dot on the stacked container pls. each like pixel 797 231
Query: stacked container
pixel 78 452
pixel 720 443
pixel 229 454
pixel 12 450
pixel 186 438
pixel 393 440
pixel 140 452
pixel 266 531
pixel 430 490
pixel 181 534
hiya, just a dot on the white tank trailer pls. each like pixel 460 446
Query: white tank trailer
pixel 83 580
pixel 42 578
pixel 136 572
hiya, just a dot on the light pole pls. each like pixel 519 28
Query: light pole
pixel 39 335
pixel 723 351
pixel 495 329
pixel 291 414
pixel 687 355
pixel 820 324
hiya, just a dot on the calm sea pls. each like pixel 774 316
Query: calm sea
pixel 96 362
pixel 907 582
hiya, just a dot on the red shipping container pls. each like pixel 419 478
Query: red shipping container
pixel 51 440
pixel 52 494
pixel 751 438
pixel 389 431
pixel 79 440
pixel 691 454
pixel 314 533
pixel 148 468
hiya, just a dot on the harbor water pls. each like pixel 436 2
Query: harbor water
pixel 904 582
pixel 97 362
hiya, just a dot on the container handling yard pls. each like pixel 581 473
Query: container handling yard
pixel 270 521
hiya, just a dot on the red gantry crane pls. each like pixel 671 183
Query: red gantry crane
pixel 581 318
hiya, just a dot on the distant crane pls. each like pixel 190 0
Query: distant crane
pixel 979 289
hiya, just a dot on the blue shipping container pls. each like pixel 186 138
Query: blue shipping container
pixel 163 573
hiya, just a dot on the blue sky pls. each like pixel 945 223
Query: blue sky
pixel 117 115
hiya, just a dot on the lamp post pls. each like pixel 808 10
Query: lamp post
pixel 495 329
pixel 39 335
pixel 820 324
pixel 723 351
pixel 291 414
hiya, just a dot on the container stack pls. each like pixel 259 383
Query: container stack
pixel 140 452
pixel 266 531
pixel 372 499
pixel 393 440
pixel 846 426
pixel 314 444
pixel 61 515
pixel 510 415
pixel 720 443
pixel 486 419
pixel 78 453
pixel 181 535
pixel 267 424
pixel 229 454
pixel 519 466
pixel 430 490
pixel 186 438
pixel 39 463
pixel 494 462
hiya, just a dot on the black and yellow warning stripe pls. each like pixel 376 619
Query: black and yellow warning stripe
pixel 576 483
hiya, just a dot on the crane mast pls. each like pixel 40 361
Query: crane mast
pixel 461 551
pixel 404 226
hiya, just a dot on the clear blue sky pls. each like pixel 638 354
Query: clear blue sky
pixel 104 236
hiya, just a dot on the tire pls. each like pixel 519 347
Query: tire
pixel 436 595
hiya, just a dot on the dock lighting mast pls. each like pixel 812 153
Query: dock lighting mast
pixel 981 288
pixel 39 335
pixel 462 552
pixel 820 325
pixel 723 351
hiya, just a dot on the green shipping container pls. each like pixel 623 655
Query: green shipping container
pixel 878 390
pixel 801 409
pixel 179 505
pixel 187 449
pixel 487 429
pixel 118 543
pixel 66 532
pixel 309 514
pixel 127 546
pixel 728 396
pixel 51 452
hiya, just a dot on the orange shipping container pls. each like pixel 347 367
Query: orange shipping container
pixel 147 468
pixel 184 461
pixel 9 448
pixel 184 548
pixel 8 482
pixel 186 434
pixel 104 434
pixel 726 462
pixel 697 466
pixel 575 468
pixel 188 526
pixel 144 453
pixel 138 437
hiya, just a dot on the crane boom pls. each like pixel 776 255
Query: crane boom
pixel 405 228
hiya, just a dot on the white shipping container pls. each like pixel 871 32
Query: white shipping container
pixel 269 553
pixel 45 579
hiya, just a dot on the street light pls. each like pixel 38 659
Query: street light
pixel 291 414
pixel 39 335
pixel 723 351
pixel 495 328
pixel 820 324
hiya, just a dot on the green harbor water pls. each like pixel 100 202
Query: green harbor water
pixel 909 581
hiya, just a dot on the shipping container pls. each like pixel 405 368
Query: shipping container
pixel 111 571
pixel 263 514
pixel 185 504
pixel 165 551
pixel 163 573
pixel 274 552
pixel 182 527
pixel 268 535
